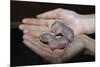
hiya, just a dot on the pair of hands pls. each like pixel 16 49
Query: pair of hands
pixel 33 27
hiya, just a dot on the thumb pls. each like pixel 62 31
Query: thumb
pixel 53 14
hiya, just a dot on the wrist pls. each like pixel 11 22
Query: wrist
pixel 87 23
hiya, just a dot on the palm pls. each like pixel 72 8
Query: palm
pixel 70 18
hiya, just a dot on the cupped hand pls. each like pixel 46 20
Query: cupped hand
pixel 68 17
pixel 58 55
pixel 35 27
pixel 43 50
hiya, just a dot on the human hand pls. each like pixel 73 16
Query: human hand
pixel 61 37
pixel 79 44
pixel 32 26
pixel 40 23
pixel 68 17
pixel 43 50
pixel 79 23
pixel 58 55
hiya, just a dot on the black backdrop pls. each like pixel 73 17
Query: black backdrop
pixel 20 54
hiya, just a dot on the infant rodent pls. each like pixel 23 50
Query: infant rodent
pixel 63 36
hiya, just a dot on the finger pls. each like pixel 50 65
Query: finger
pixel 37 43
pixel 54 14
pixel 44 51
pixel 36 49
pixel 37 21
pixel 33 27
pixel 35 34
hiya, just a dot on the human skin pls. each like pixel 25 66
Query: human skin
pixel 80 24
pixel 81 43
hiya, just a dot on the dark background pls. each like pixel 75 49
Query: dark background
pixel 20 54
